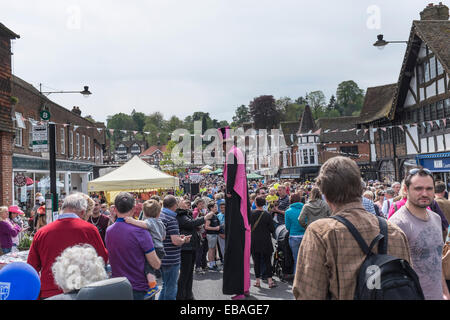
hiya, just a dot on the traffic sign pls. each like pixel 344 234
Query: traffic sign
pixel 45 115
pixel 40 138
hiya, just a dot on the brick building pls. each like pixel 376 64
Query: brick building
pixel 125 150
pixel 80 145
pixel 6 124
pixel 154 155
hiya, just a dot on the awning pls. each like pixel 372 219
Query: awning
pixel 433 155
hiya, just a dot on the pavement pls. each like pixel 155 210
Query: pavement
pixel 208 286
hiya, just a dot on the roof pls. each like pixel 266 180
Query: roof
pixel 4 31
pixel 436 35
pixel 340 123
pixel 152 150
pixel 377 103
pixel 290 129
pixel 307 122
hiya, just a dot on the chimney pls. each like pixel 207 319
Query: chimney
pixel 435 12
pixel 76 110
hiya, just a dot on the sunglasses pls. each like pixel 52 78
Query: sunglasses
pixel 416 170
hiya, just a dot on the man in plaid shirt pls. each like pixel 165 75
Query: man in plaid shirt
pixel 329 257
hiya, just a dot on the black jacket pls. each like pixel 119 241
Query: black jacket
pixel 188 226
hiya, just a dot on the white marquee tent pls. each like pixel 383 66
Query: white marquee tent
pixel 135 175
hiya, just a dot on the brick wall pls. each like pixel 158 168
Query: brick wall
pixel 6 125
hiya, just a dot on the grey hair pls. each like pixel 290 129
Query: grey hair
pixel 78 266
pixel 76 202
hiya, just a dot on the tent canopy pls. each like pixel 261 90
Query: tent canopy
pixel 254 176
pixel 136 174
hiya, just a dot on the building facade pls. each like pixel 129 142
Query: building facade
pixel 410 119
pixel 154 155
pixel 6 123
pixel 125 150
pixel 80 145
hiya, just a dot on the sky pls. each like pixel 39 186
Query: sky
pixel 178 57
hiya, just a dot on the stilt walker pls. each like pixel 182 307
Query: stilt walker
pixel 236 271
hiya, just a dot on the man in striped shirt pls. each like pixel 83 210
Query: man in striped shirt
pixel 170 264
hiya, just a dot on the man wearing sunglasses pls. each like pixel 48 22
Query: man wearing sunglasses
pixel 424 232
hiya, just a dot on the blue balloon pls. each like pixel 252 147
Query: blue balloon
pixel 19 281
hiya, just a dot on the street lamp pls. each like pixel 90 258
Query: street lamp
pixel 52 145
pixel 381 43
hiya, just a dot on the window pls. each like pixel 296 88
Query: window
pixel 433 67
pixel 440 69
pixel 305 156
pixel 63 140
pixel 30 136
pixel 426 71
pixel 427 113
pixel 420 75
pixel 440 109
pixel 433 111
pixel 71 143
pixel 18 139
pixel 84 146
pixel 350 151
pixel 78 144
pixel 89 147
pixel 311 156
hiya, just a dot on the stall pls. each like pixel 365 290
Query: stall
pixel 134 176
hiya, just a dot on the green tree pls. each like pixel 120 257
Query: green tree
pixel 350 98
pixel 316 101
pixel 264 112
pixel 242 115
pixel 139 120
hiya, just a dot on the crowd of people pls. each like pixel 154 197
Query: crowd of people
pixel 159 244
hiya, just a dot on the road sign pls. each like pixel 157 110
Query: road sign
pixel 45 115
pixel 40 138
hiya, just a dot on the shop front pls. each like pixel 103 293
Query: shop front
pixel 299 173
pixel 438 163
pixel 31 175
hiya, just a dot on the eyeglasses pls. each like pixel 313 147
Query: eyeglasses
pixel 416 170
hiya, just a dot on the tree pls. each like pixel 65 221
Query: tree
pixel 242 115
pixel 139 120
pixel 349 97
pixel 316 101
pixel 264 112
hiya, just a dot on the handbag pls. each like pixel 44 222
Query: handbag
pixel 257 221
pixel 446 260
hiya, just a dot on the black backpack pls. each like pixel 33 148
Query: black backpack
pixel 383 277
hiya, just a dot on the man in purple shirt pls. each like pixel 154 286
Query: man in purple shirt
pixel 128 247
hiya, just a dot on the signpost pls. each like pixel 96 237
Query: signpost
pixel 40 138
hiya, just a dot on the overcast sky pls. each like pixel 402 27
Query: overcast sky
pixel 182 56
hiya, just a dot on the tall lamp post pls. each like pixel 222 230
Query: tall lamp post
pixel 52 146
pixel 380 44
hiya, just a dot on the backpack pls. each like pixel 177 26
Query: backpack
pixel 381 276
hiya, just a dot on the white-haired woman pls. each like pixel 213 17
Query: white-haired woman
pixel 75 268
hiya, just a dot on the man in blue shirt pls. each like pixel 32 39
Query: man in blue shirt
pixel 170 264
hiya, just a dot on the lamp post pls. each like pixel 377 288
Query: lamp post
pixel 52 148
pixel 380 44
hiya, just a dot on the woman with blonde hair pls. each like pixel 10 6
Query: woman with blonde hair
pixel 90 207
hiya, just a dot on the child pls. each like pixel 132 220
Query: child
pixel 155 226
pixel 271 199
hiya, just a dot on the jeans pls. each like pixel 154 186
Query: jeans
pixel 294 243
pixel 169 282
pixel 139 295
pixel 6 250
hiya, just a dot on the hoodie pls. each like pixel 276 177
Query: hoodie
pixel 291 219
pixel 313 211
